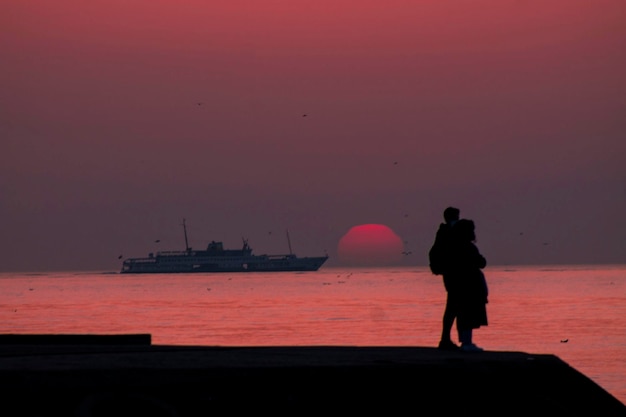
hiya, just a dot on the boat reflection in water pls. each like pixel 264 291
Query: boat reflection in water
pixel 217 259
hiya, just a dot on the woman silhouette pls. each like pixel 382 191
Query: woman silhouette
pixel 470 286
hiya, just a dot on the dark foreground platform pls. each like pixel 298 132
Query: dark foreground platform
pixel 90 375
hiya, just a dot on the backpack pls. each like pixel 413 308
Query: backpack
pixel 435 258
pixel 437 254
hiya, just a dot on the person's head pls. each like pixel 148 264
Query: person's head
pixel 465 230
pixel 451 214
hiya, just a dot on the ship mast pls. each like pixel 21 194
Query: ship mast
pixel 185 230
pixel 289 243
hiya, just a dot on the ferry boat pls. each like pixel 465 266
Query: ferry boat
pixel 218 259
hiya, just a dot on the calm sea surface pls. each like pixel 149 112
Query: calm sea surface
pixel 577 313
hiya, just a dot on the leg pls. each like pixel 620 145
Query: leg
pixel 465 336
pixel 449 315
pixel 448 321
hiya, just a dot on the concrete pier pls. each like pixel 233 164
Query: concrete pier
pixel 91 375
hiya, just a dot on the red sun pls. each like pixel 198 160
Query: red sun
pixel 370 245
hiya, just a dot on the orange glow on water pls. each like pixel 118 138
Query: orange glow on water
pixel 370 244
pixel 530 310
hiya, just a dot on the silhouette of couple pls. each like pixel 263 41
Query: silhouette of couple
pixel 457 259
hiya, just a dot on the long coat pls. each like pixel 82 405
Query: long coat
pixel 468 286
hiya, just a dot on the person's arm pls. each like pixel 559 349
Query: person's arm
pixel 479 260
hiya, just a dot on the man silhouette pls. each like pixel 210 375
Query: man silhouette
pixel 438 257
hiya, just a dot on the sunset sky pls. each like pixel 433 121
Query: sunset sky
pixel 119 118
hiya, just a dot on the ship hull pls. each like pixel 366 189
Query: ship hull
pixel 189 265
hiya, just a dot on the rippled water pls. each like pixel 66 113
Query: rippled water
pixel 577 313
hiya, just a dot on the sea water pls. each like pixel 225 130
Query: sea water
pixel 577 313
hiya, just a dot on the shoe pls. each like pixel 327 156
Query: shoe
pixel 447 345
pixel 470 347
